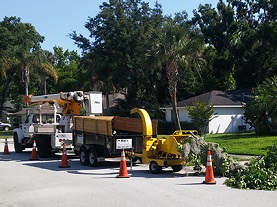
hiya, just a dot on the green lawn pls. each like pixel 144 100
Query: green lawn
pixel 243 143
pixel 4 134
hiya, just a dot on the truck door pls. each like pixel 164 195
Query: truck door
pixel 28 126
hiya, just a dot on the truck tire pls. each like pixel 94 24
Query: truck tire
pixel 17 146
pixel 155 168
pixel 92 157
pixel 177 168
pixel 44 146
pixel 83 156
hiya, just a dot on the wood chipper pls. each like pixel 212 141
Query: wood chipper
pixel 161 152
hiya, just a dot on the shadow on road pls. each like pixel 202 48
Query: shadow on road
pixel 106 169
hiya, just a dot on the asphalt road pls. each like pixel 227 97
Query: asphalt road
pixel 42 183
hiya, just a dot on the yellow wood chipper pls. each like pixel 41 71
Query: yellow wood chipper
pixel 160 152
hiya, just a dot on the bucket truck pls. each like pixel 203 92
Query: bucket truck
pixel 49 120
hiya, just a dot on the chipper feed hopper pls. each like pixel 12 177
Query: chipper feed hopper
pixel 161 152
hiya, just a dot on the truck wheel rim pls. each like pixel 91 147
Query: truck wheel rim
pixel 153 167
pixel 91 158
pixel 82 156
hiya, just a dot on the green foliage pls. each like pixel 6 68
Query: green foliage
pixel 239 51
pixel 261 174
pixel 174 48
pixel 261 111
pixel 239 35
pixel 181 143
pixel 225 168
pixel 71 74
pixel 218 27
pixel 20 59
pixel 115 55
pixel 201 114
pixel 196 161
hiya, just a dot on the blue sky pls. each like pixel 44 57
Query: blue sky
pixel 55 19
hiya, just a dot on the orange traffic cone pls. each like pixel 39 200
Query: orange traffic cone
pixel 6 148
pixel 34 152
pixel 123 173
pixel 209 177
pixel 64 162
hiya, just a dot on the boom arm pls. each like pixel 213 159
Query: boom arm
pixel 71 102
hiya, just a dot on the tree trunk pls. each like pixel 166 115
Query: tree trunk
pixel 26 89
pixel 175 111
pixel 172 76
pixel 107 99
pixel 26 79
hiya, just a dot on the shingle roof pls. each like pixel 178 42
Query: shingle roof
pixel 218 98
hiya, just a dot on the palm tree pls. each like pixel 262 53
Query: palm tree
pixel 44 63
pixel 38 60
pixel 172 48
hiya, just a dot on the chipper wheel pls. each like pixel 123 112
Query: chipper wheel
pixel 154 167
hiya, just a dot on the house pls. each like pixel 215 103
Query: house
pixel 228 107
pixel 8 109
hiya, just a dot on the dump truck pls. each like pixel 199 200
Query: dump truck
pixel 98 137
pixel 49 120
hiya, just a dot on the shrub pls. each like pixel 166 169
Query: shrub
pixel 261 174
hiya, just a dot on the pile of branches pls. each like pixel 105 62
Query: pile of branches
pixel 259 173
pixel 195 152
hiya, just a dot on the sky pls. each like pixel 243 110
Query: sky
pixel 55 19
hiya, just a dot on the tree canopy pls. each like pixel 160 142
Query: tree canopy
pixel 229 46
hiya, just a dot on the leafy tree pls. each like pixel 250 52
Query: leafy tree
pixel 25 40
pixel 256 48
pixel 241 39
pixel 21 58
pixel 201 115
pixel 68 69
pixel 218 28
pixel 173 46
pixel 116 53
pixel 43 67
pixel 261 111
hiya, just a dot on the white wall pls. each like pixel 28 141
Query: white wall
pixel 183 115
pixel 227 119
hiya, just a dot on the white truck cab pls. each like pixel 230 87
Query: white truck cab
pixel 49 121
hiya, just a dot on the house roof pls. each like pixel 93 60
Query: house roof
pixel 218 98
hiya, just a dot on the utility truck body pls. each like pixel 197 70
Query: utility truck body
pixel 49 120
